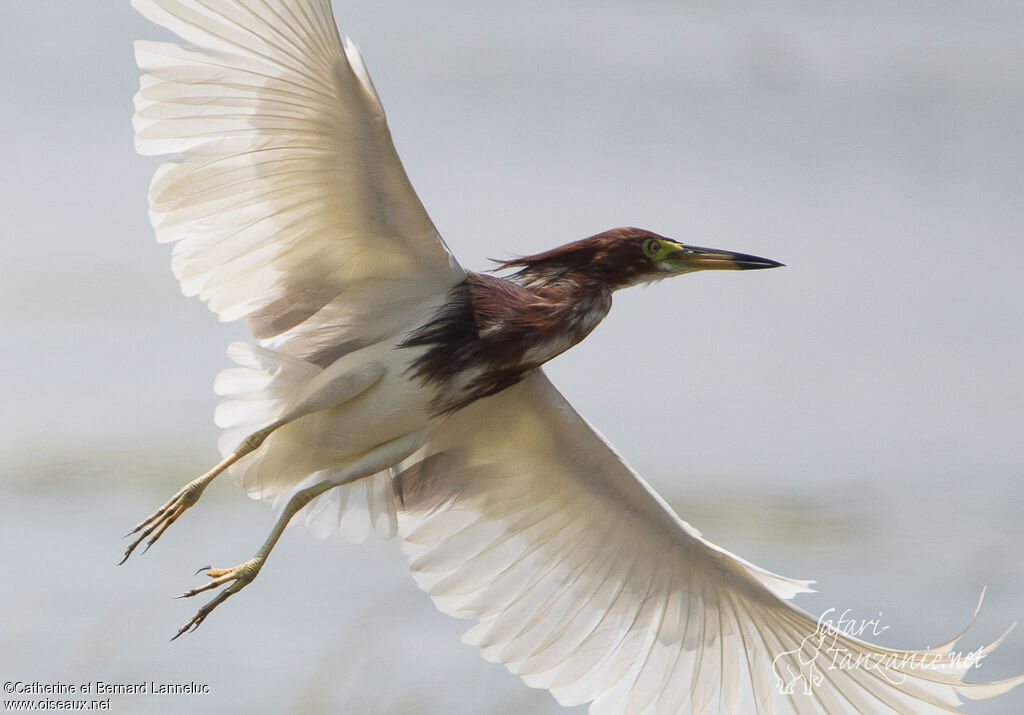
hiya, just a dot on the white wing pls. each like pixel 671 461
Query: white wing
pixel 287 200
pixel 585 582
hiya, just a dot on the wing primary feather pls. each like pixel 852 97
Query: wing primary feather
pixel 729 687
pixel 586 658
pixel 623 663
pixel 464 583
pixel 556 645
pixel 759 684
pixel 504 612
pixel 601 647
pixel 672 693
pixel 532 655
pixel 641 692
pixel 514 581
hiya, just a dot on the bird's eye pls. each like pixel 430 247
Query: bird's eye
pixel 651 247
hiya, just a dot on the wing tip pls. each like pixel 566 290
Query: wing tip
pixel 983 691
pixel 355 62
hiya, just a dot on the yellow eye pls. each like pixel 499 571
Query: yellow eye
pixel 651 247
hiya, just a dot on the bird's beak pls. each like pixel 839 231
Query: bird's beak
pixel 695 258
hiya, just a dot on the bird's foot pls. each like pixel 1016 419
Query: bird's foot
pixel 239 577
pixel 157 523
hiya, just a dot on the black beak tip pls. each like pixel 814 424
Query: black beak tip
pixel 749 263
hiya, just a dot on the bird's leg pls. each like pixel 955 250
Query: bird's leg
pixel 376 460
pixel 330 390
pixel 157 523
pixel 238 577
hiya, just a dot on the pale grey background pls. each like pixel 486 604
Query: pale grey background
pixel 855 417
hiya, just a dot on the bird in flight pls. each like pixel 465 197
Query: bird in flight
pixel 390 390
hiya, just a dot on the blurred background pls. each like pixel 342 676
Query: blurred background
pixel 855 417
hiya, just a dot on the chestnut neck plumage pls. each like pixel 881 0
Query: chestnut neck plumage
pixel 491 332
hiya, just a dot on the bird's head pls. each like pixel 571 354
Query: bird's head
pixel 623 257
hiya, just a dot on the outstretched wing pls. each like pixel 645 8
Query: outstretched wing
pixel 288 203
pixel 584 582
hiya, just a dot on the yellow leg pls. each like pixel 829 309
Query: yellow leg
pixel 242 575
pixel 157 523
pixel 238 577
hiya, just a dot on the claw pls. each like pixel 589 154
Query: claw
pixel 239 577
pixel 158 522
